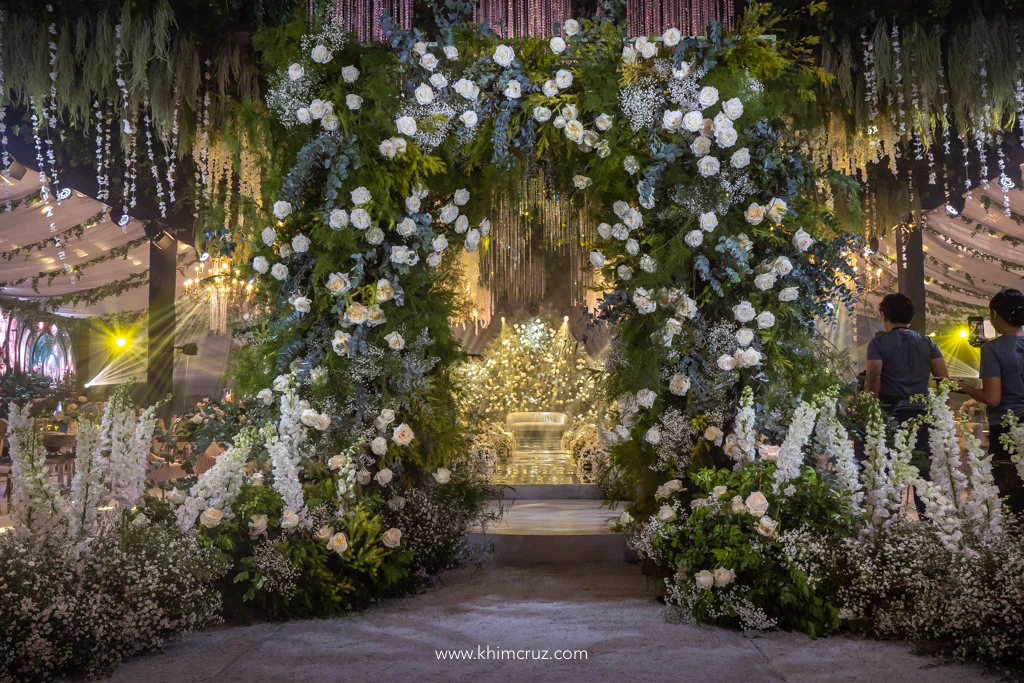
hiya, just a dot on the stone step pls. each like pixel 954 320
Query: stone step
pixel 551 492
pixel 554 531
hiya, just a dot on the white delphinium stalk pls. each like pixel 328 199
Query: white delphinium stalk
pixel 791 455
pixel 744 436
pixel 36 506
pixel 881 500
pixel 116 432
pixel 219 486
pixel 944 445
pixel 836 451
pixel 983 506
pixel 132 471
pixel 87 485
pixel 1013 441
pixel 286 455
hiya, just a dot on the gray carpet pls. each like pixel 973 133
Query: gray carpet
pixel 606 610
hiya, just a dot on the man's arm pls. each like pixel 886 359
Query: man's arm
pixel 873 378
pixel 939 370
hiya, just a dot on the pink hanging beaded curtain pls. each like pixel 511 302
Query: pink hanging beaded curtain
pixel 362 17
pixel 521 18
pixel 653 17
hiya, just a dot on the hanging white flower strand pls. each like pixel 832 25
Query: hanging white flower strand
pixel 44 187
pixel 50 110
pixel 147 123
pixel 870 75
pixel 102 177
pixel 5 157
pixel 128 132
pixel 171 151
pixel 203 135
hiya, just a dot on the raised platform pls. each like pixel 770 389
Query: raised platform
pixel 527 466
pixel 535 531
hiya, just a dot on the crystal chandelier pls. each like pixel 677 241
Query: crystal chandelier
pixel 220 285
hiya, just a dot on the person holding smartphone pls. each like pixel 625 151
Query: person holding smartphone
pixel 1002 387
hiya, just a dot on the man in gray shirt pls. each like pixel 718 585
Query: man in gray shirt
pixel 901 362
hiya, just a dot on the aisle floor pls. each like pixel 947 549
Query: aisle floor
pixel 606 610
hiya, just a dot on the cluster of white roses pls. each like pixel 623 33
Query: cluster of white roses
pixel 721 129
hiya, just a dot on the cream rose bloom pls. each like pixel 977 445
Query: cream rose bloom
pixel 338 543
pixel 571 27
pixel 723 577
pixel 719 491
pixel 513 90
pixel 756 503
pixel 700 146
pixel 777 209
pixel 726 362
pixel 282 209
pixel 406 125
pixel 754 213
pixel 357 314
pixel 295 72
pixel 211 517
pixel 541 113
pixel 694 238
pixel 424 94
pixel 668 488
pixel 428 61
pixel 707 96
pixel 736 505
pixel 279 271
pixel 766 526
pixel 671 37
pixel 765 281
pixel 765 320
pixel 260 264
pixel 783 266
pixel 257 526
pixel 320 54
pixel 733 108
pixel 603 122
pixel 557 45
pixel 574 130
pixel 671 120
pixel 350 74
pixel 403 435
pixel 769 452
pixel 392 537
pixel 666 513
pixel 714 435
pixel 802 241
pixel 708 166
pixel 384 477
pixel 789 294
pixel 679 384
pixel 740 158
pixel 289 520
pixel 338 283
pixel 705 579
pixel 443 475
pixel 744 336
pixel 653 435
pixel 469 118
pixel 395 341
pixel 550 88
pixel 563 79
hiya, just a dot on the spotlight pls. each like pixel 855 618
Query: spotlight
pixel 932 333
pixel 121 342
pixel 951 210
pixel 963 333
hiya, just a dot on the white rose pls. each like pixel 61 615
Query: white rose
pixel 726 137
pixel 679 384
pixel 282 209
pixel 671 120
pixel 279 271
pixel 269 236
pixel 687 307
pixel 406 227
pixel 723 577
pixel 765 281
pixel 466 88
pixel 266 396
pixel 419 47
pixel 403 435
pixel 750 358
pixel 765 320
pixel 754 213
pixel 744 312
pixel 260 265
pixel 503 55
pixel 653 436
pixel 557 45
pixel 603 122
pixel 406 125
pixel 439 243
pixel 301 304
pixel 360 219
pixel 412 204
pixel 625 272
pixel 338 283
pixel 286 250
pixel 629 55
pixel 705 579
pixel 320 54
pixel 726 362
pixel 434 259
pixel 472 240
pixel 571 27
pixel 708 166
pixel 330 122
pixel 632 247
pixel 756 504
pixel 424 94
pixel 736 505
pixel 317 109
pixel 707 96
pixel 386 417
pixel 671 37
pixel 563 79
pixel 513 90
pixel 574 130
pixel 648 49
pixel 789 294
pixel 597 259
pixel 783 266
pixel 682 72
pixel 541 114
pixel 451 52
pixel 350 74
pixel 648 264
pixel 438 81
pixel 379 445
pixel 645 397
pixel 300 243
pixel 449 212
pixel 384 477
pixel 353 101
pixel 387 149
pixel 666 513
pixel 719 491
pixel 570 112
pixel 395 341
pixel 338 219
pixel 766 526
pixel 211 517
pixel 469 118
pixel 581 182
pixel 340 342
pixel 363 477
pixel 428 61
pixel 744 336
pixel 733 108
pixel 280 383
pixel 559 122
pixel 257 526
pixel 442 475
pixel 694 238
pixel 620 232
pixel 361 196
pixel 668 488
pixel 802 241
pixel 385 290
pixel 303 116
pixel 604 230
pixel 550 88
pixel 740 158
pixel 392 538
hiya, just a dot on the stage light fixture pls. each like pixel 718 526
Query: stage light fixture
pixel 963 333
pixel 121 342
pixel 932 333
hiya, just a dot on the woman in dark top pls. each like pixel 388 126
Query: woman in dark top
pixel 1002 386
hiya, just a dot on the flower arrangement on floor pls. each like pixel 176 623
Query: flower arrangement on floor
pixel 492 445
pixel 588 449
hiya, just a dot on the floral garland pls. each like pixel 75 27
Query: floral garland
pixel 120 251
pixel 59 239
